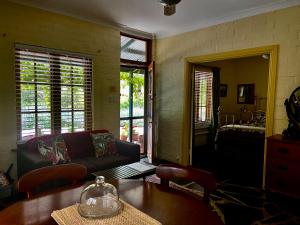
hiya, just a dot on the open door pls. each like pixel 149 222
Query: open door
pixel 205 103
pixel 150 111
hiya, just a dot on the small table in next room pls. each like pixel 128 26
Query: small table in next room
pixel 130 171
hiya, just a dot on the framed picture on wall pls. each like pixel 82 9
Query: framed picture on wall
pixel 245 93
pixel 223 90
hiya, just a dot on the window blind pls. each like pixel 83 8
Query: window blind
pixel 202 97
pixel 53 92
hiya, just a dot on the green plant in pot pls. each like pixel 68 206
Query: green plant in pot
pixel 124 132
pixel 135 135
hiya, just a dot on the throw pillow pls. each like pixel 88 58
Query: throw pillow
pixel 54 150
pixel 3 180
pixel 60 149
pixel 104 144
pixel 46 151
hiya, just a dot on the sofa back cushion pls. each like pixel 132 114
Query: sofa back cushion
pixel 32 144
pixel 79 144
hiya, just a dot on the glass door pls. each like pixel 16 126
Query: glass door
pixel 132 105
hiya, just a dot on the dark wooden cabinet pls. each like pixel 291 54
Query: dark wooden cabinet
pixel 283 165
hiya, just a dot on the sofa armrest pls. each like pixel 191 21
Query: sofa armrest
pixel 28 161
pixel 128 149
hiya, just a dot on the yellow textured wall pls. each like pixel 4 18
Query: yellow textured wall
pixel 37 27
pixel 280 27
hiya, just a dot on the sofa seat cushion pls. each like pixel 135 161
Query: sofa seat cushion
pixel 94 164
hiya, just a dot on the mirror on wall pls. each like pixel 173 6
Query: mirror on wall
pixel 245 93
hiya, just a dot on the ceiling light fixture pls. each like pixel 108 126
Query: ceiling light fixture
pixel 169 6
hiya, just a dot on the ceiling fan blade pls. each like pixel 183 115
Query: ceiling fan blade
pixel 169 2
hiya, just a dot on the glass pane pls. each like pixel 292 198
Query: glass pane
pixel 78 95
pixel 27 97
pixel 72 74
pixel 202 113
pixel 27 71
pixel 124 94
pixel 66 122
pixel 133 49
pixel 42 72
pixel 34 72
pixel 78 76
pixel 78 121
pixel 203 92
pixel 66 97
pixel 43 98
pixel 44 123
pixel 138 83
pixel 124 125
pixel 28 125
pixel 65 73
pixel 138 133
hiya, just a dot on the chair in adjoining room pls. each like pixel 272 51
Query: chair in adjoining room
pixel 205 179
pixel 70 173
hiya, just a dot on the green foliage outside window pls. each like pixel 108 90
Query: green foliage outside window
pixel 137 83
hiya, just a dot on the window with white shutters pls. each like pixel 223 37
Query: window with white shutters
pixel 54 92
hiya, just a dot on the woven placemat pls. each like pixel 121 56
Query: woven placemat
pixel 129 215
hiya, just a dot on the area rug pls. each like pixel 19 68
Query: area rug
pixel 239 205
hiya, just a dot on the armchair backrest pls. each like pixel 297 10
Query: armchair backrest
pixel 30 181
pixel 167 172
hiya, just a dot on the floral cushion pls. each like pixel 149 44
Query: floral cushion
pixel 60 149
pixel 104 144
pixel 3 180
pixel 47 151
pixel 54 150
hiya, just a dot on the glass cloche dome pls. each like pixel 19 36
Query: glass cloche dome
pixel 99 200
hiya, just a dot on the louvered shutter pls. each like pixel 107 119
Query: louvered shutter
pixel 202 97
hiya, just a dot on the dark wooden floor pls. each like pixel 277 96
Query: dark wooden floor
pixel 241 170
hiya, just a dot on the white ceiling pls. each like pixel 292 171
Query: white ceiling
pixel 147 15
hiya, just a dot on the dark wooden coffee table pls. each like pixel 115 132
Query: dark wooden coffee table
pixel 125 172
